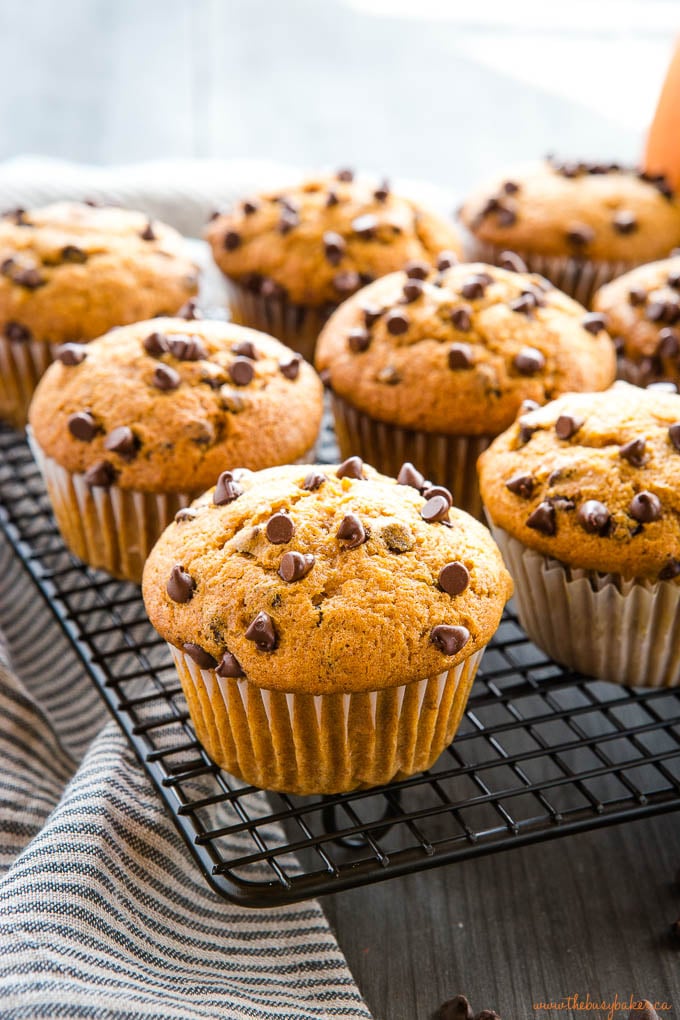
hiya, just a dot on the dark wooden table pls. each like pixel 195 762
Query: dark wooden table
pixel 321 83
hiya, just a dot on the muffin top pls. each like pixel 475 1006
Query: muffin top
pixel 325 578
pixel 456 348
pixel 320 241
pixel 585 210
pixel 642 309
pixel 70 271
pixel 593 480
pixel 165 405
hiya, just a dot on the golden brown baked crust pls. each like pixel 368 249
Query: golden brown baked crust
pixel 190 419
pixel 317 250
pixel 606 497
pixel 471 344
pixel 642 308
pixel 578 209
pixel 70 271
pixel 362 617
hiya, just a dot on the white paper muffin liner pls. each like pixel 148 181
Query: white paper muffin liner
pixel 324 743
pixel 624 631
pixel 445 460
pixel 22 365
pixel 297 326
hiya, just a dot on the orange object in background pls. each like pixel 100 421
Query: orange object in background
pixel 662 152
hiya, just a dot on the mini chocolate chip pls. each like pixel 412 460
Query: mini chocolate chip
pixel 280 529
pixel 529 361
pixel 345 174
pixel 229 667
pixel 358 339
pixel 190 311
pixel 625 222
pixel 454 578
pixel 155 344
pixel 351 532
pixel 181 585
pixel 445 260
pixel 71 354
pixel 232 240
pixel 122 441
pixel 521 485
pixel 262 632
pixel 409 475
pixel 593 516
pixel 241 371
pixel 382 192
pixel 669 343
pixel 594 322
pixel 527 406
pixel 655 311
pixel 580 235
pixel 353 467
pixel 313 481
pixel 186 513
pixel 474 286
pixel 29 278
pixel 634 452
pixel 147 234
pixel 637 296
pixel 524 304
pixel 82 426
pixel 186 348
pixel 291 369
pixel 460 356
pixel 334 247
pixel 670 570
pixel 289 220
pixel 365 226
pixel 249 207
pixel 245 349
pixel 457 1008
pixel 101 475
pixel 346 282
pixel 645 507
pixel 674 435
pixel 449 640
pixel 461 318
pixel 332 199
pixel 203 659
pixel 388 375
pixel 412 290
pixel 226 490
pixel 511 260
pixel 371 314
pixel 673 279
pixel 436 509
pixel 165 378
pixel 543 519
pixel 506 217
pixel 567 425
pixel 416 269
pixel 396 322
pixel 72 253
pixel 294 566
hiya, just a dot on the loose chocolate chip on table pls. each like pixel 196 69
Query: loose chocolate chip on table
pixel 594 322
pixel 568 425
pixel 454 578
pixel 353 467
pixel 412 290
pixel 634 452
pixel 313 481
pixel 358 339
pixel 345 174
pixel 101 475
pixel 365 226
pixel 232 240
pixel 165 378
pixel 333 246
pixel 674 435
pixel 449 640
pixel 396 322
pixel 487 1014
pixel 461 318
pixel 436 509
pixel 543 519
pixel 241 371
pixel 155 344
pixel 351 532
pixel 122 441
pixel 625 221
pixel 346 282
pixel 474 286
pixel 226 490
pixel 245 349
pixel 528 361
pixel 82 426
pixel 510 260
pixel 521 485
pixel 291 369
pixel 580 235
pixel 71 354
pixel 460 356
pixel 647 1012
pixel 181 585
pixel 280 529
pixel 262 632
pixel 295 565
pixel 186 513
pixel 445 260
pixel 147 234
pixel 186 348
pixel 457 1008
pixel 203 659
pixel 637 296
pixel 72 253
pixel 593 516
pixel 229 667
pixel 409 475
pixel 645 507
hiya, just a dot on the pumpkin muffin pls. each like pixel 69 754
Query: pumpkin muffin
pixel 326 622
pixel 583 496
pixel 431 363
pixel 579 224
pixel 71 271
pixel 292 255
pixel 642 309
pixel 130 428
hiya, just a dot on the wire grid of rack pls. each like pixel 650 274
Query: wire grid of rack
pixel 541 752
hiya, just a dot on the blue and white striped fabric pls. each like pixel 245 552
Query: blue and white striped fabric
pixel 103 913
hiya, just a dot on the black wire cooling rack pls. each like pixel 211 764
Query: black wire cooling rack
pixel 541 752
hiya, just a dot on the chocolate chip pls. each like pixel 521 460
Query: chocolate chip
pixel 645 507
pixel 147 234
pixel 594 322
pixel 72 253
pixel 457 1008
pixel 294 566
pixel 655 311
pixel 365 226
pixel 529 361
pixel 229 667
pixel 351 532
pixel 358 339
pixel 155 344
pixel 445 260
pixel 460 356
pixel 521 485
pixel 334 247
pixel 262 632
pixel 203 659
pixel 29 278
pixel 313 481
pixel 524 304
pixel 101 475
pixel 190 311
pixel 674 435
pixel 527 406
pixel 625 222
pixel 186 513
pixel 226 490
pixel 291 368
pixel 673 279
pixel 122 441
pixel 241 371
pixel 332 199
pixel 580 235
pixel 506 217
pixel 429 490
pixel 474 286
pixel 280 529
pixel 345 174
pixel 353 467
pixel 436 509
pixel 412 290
pixel 461 318
pixel 637 296
pixel 245 349
pixel 249 207
pixel 186 348
pixel 634 452
pixel 232 240
pixel 82 426
pixel 449 640
pixel 389 376
pixel 510 260
pixel 454 578
pixel 371 314
pixel 71 354
pixel 593 516
pixel 487 1014
pixel 396 322
pixel 669 343
pixel 646 1012
pixel 543 519
pixel 567 425
pixel 346 282
pixel 670 570
pixel 181 585
pixel 165 378
pixel 409 475
pixel 382 192
pixel 416 269
pixel 289 220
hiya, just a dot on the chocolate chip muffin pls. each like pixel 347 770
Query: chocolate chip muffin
pixel 579 224
pixel 68 273
pixel 430 363
pixel 584 500
pixel 642 310
pixel 291 256
pixel 133 426
pixel 326 622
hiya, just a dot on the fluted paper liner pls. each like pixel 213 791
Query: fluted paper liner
pixel 22 365
pixel 297 326
pixel 324 743
pixel 444 459
pixel 624 631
